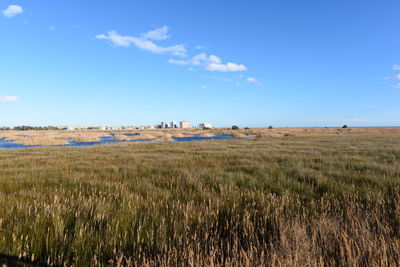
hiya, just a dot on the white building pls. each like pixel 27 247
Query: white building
pixel 205 125
pixel 185 124
pixel 173 124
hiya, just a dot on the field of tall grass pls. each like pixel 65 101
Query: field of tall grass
pixel 58 137
pixel 290 200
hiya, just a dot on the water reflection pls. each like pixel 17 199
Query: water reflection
pixel 9 144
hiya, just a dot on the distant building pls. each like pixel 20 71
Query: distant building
pixel 185 124
pixel 173 124
pixel 205 125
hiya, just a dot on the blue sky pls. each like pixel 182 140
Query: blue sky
pixel 249 63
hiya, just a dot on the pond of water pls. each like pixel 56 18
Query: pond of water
pixel 8 144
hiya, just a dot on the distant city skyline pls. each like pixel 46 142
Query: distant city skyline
pixel 245 63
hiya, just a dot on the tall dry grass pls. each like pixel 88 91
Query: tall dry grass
pixel 60 137
pixel 51 138
pixel 207 134
pixel 166 138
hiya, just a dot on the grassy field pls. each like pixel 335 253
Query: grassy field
pixel 308 199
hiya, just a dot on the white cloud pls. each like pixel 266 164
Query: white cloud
pixel 228 67
pixel 215 59
pixel 12 11
pixel 157 34
pixel 116 39
pixel 251 80
pixel 397 85
pixel 8 99
pixel 386 78
pixel 396 67
pixel 211 63
pixel 397 76
pixel 52 28
pixel 144 42
pixel 199 59
pixel 178 62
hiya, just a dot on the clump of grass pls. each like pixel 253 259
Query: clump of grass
pixel 166 138
pixel 40 141
pixel 178 135
pixel 207 134
pixel 123 137
pixel 89 139
pixel 238 135
pixel 143 136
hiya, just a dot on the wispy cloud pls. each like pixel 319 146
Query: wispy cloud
pixel 52 28
pixel 145 42
pixel 12 11
pixel 210 63
pixel 228 67
pixel 202 47
pixel 253 80
pixel 394 77
pixel 9 99
pixel 177 61
pixel 157 34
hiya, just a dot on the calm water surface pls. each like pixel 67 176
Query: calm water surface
pixel 7 144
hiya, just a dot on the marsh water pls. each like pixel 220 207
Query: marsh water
pixel 9 144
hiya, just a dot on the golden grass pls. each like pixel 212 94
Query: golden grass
pixel 123 137
pixel 48 138
pixel 40 141
pixel 238 135
pixel 87 139
pixel 179 135
pixel 207 134
pixel 143 136
pixel 166 138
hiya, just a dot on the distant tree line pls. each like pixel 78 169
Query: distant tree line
pixel 27 128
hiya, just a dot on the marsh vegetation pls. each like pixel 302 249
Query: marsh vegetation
pixel 322 200
pixel 58 137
